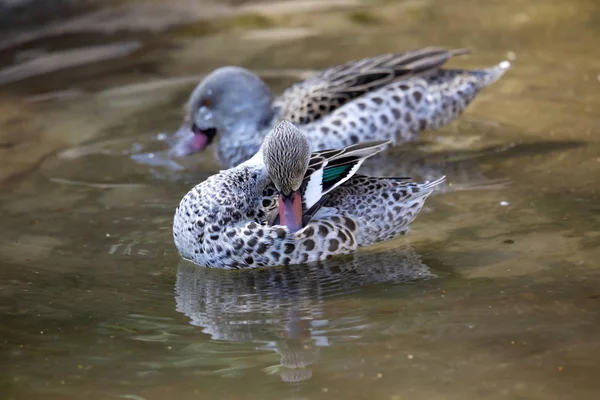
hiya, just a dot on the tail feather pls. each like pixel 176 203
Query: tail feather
pixel 496 72
pixel 428 187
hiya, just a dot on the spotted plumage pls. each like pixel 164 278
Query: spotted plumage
pixel 388 97
pixel 231 220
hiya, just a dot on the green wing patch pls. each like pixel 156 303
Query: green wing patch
pixel 336 173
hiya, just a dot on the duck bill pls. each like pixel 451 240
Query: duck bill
pixel 190 140
pixel 290 211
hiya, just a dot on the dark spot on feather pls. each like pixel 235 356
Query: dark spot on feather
pixel 289 248
pixel 353 139
pixel 384 119
pixel 397 113
pixel 275 255
pixel 325 129
pixel 422 124
pixel 350 224
pixel 309 244
pixel 417 96
pixel 249 260
pixel 309 231
pixel 266 202
pixel 361 106
pixel 280 233
pixel 333 245
pixel 337 122
pixel 214 237
pixel 377 100
pixel 403 87
pixel 262 248
pixel 323 231
pixel 342 236
pixel 286 261
pixel 408 117
pixel 252 242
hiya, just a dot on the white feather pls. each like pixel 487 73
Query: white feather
pixel 314 188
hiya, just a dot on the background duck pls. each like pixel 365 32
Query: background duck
pixel 231 219
pixel 388 97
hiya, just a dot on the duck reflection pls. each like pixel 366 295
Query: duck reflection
pixel 283 309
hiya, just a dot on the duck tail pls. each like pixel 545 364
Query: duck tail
pixel 496 72
pixel 428 187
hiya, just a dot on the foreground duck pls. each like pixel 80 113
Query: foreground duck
pixel 389 97
pixel 288 206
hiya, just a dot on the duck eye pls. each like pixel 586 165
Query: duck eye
pixel 206 102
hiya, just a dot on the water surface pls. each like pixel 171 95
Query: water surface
pixel 494 294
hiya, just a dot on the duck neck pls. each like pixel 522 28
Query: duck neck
pixel 240 140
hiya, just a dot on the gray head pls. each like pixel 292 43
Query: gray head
pixel 226 97
pixel 286 154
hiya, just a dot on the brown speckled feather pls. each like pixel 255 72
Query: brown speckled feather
pixel 311 99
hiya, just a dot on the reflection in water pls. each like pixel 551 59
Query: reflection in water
pixel 281 309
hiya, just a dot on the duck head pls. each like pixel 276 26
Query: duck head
pixel 286 154
pixel 227 98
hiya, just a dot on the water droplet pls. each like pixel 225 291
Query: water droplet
pixel 504 203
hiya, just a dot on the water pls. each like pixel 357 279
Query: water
pixel 495 293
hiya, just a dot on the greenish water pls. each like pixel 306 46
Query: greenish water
pixel 494 294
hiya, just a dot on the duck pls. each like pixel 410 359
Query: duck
pixel 391 97
pixel 288 205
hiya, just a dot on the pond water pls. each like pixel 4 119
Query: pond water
pixel 494 294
